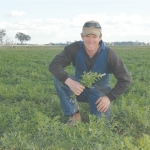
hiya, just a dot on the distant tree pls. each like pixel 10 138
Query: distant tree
pixel 2 35
pixel 22 37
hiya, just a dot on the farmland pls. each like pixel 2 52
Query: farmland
pixel 31 117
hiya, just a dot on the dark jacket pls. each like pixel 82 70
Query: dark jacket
pixel 115 66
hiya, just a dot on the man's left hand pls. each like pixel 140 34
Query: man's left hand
pixel 103 104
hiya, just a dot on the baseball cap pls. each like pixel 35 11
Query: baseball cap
pixel 91 27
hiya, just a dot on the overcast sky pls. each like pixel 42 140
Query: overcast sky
pixel 55 21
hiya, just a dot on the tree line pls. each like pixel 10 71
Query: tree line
pixel 20 36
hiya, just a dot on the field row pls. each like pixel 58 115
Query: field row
pixel 31 117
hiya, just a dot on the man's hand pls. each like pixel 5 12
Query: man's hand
pixel 75 86
pixel 103 104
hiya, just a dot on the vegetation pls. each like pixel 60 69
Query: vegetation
pixel 22 37
pixel 31 117
pixel 2 35
pixel 88 78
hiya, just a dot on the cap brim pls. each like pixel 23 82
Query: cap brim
pixel 87 31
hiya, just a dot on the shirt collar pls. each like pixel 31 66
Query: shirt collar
pixel 102 46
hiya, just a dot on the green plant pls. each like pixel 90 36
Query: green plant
pixel 31 116
pixel 89 78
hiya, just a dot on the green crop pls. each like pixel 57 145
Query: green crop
pixel 31 116
pixel 89 78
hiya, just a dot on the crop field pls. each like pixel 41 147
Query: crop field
pixel 31 117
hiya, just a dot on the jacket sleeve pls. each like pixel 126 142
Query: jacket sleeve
pixel 63 59
pixel 120 72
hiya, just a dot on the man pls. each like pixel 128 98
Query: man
pixel 90 54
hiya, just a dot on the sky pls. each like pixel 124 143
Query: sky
pixel 55 21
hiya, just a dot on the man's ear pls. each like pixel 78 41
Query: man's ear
pixel 100 36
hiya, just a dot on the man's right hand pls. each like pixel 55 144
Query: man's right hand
pixel 75 86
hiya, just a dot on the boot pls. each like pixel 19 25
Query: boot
pixel 74 119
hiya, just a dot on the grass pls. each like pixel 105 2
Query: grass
pixel 31 117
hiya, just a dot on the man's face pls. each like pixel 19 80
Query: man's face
pixel 91 42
